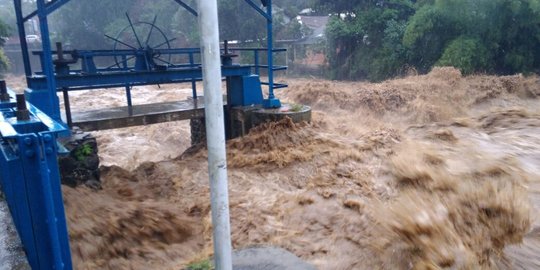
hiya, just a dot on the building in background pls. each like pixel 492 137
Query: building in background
pixel 12 48
pixel 307 55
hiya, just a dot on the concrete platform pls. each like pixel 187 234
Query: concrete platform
pixel 297 112
pixel 239 122
pixel 246 118
pixel 268 258
pixel 120 117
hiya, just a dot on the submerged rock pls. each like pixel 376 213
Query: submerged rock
pixel 81 165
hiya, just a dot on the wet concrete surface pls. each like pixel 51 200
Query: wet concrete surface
pixel 11 251
pixel 138 115
pixel 268 258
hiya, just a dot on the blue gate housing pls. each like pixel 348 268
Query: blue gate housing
pixel 30 180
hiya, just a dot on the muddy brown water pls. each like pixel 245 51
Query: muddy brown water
pixel 438 171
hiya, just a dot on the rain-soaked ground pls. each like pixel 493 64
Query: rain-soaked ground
pixel 11 252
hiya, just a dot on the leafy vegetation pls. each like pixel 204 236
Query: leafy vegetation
pixel 203 265
pixel 4 33
pixel 83 151
pixel 82 24
pixel 366 39
pixel 7 14
pixel 296 107
pixel 379 39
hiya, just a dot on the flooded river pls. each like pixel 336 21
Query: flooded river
pixel 438 171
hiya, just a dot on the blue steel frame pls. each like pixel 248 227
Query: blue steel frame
pixel 45 8
pixel 85 77
pixel 119 79
pixel 30 180
pixel 271 102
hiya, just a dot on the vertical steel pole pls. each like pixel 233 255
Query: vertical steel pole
pixel 256 61
pixel 129 100
pixel 44 183
pixel 67 107
pixel 215 133
pixel 22 37
pixel 272 101
pixel 193 82
pixel 270 47
pixel 53 109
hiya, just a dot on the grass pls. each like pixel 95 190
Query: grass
pixel 84 151
pixel 296 107
pixel 202 265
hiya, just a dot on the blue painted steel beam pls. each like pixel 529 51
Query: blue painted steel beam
pixel 193 81
pixel 95 53
pixel 50 124
pixel 51 187
pixel 52 107
pixel 29 16
pixel 6 124
pixel 14 188
pixel 258 9
pixel 91 87
pixel 269 27
pixel 6 105
pixel 51 7
pixel 54 5
pixel 258 49
pixel 31 183
pixel 271 102
pixel 120 79
pixel 50 239
pixel 27 144
pixel 187 7
pixel 22 37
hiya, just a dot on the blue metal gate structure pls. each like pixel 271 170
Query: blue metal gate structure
pixel 30 180
pixel 29 174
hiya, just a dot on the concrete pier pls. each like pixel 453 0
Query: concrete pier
pixel 241 120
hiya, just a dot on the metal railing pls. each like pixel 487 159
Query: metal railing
pixel 118 61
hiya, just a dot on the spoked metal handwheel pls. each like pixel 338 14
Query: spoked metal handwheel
pixel 136 46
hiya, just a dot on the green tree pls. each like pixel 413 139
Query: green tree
pixel 4 34
pixel 365 42
pixel 467 54
pixel 84 23
pixel 376 39
pixel 7 13
pixel 499 36
pixel 427 34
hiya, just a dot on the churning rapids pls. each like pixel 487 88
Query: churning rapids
pixel 438 171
